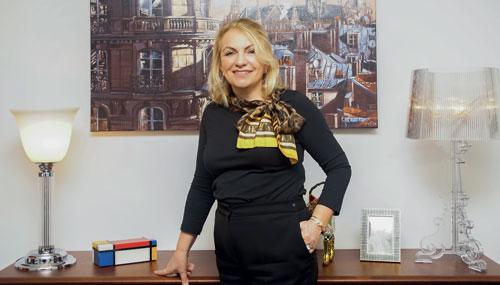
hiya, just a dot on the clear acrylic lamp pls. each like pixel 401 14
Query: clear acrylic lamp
pixel 45 135
pixel 457 106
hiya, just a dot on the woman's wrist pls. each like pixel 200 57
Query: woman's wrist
pixel 185 242
pixel 318 223
pixel 183 251
pixel 323 214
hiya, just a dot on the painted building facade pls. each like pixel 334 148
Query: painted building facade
pixel 149 63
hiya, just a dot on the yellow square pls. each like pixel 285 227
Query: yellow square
pixel 154 253
pixel 96 243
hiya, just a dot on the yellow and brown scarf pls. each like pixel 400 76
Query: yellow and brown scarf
pixel 267 124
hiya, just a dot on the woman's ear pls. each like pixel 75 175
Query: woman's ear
pixel 266 69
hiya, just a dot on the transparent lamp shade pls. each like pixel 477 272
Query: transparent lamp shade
pixel 457 106
pixel 45 134
pixel 454 105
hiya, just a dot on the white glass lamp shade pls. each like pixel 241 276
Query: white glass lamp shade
pixel 454 105
pixel 45 134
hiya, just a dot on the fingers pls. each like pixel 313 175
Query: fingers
pixel 310 234
pixel 184 278
pixel 311 244
pixel 302 225
pixel 162 272
pixel 312 249
pixel 183 275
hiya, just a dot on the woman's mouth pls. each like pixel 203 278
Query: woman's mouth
pixel 242 72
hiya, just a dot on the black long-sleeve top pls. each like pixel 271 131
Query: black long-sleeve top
pixel 261 174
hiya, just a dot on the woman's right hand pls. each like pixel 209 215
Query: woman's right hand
pixel 178 264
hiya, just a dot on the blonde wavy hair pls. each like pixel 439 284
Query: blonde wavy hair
pixel 271 81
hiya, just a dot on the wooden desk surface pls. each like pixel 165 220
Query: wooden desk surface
pixel 346 268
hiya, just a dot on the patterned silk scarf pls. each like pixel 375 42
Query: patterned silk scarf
pixel 267 124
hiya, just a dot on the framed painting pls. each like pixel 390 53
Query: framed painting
pixel 150 59
pixel 380 235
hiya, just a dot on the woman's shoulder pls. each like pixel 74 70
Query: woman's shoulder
pixel 211 107
pixel 214 111
pixel 298 101
pixel 294 97
pixel 208 111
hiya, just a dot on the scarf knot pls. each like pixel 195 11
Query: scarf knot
pixel 267 124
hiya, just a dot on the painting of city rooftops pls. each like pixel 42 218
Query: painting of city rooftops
pixel 150 58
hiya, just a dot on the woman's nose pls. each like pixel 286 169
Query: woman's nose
pixel 241 59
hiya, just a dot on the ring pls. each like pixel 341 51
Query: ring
pixel 308 246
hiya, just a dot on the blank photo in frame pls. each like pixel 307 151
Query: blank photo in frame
pixel 380 235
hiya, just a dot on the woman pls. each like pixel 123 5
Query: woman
pixel 250 153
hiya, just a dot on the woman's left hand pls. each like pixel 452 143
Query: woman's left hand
pixel 311 233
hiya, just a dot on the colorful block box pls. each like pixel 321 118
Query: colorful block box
pixel 108 253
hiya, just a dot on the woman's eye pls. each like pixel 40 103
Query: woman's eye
pixel 228 53
pixel 252 51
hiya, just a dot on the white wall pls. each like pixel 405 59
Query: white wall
pixel 128 185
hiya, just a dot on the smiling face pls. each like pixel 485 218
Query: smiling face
pixel 240 65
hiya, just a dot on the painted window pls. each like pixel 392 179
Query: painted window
pixel 99 118
pixel 150 8
pixel 151 119
pixel 150 63
pixel 182 57
pixel 150 69
pixel 351 58
pixel 98 16
pixel 352 40
pixel 203 8
pixel 318 99
pixel 99 70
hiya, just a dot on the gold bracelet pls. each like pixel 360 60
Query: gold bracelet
pixel 318 223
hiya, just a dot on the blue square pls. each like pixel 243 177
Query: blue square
pixel 104 258
pixel 153 242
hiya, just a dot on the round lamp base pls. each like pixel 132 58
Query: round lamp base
pixel 37 260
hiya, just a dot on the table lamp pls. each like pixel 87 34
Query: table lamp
pixel 456 106
pixel 45 135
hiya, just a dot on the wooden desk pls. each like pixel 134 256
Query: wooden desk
pixel 346 268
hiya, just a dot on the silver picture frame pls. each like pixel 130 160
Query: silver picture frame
pixel 380 235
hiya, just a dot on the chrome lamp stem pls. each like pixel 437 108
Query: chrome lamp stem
pixel 46 257
pixel 463 244
pixel 46 175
